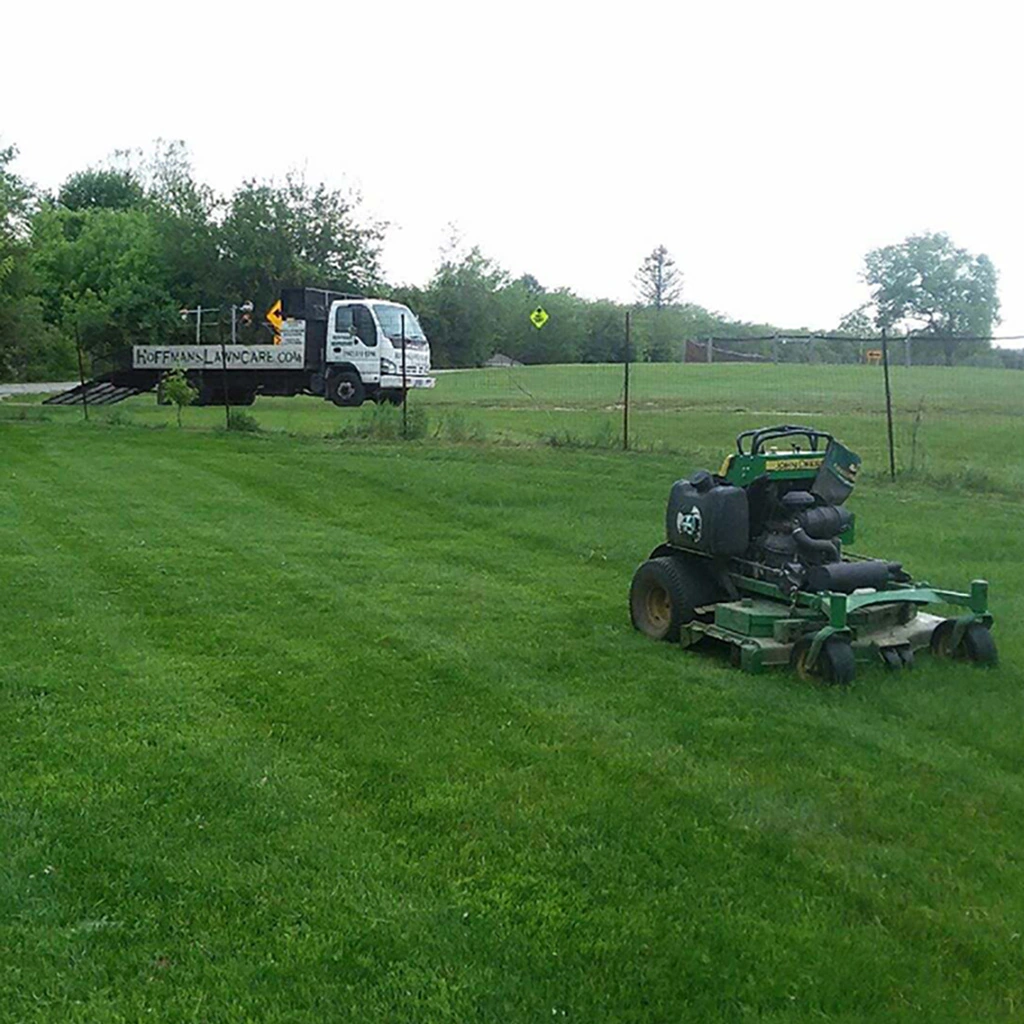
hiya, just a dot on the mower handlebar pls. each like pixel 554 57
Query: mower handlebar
pixel 759 436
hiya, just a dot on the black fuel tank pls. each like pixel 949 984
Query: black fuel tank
pixel 706 516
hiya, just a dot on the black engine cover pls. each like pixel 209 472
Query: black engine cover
pixel 708 517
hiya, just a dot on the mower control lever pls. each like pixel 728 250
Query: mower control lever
pixel 761 435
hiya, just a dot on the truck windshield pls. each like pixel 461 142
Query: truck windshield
pixel 390 320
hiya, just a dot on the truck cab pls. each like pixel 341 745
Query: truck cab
pixel 353 345
pixel 375 349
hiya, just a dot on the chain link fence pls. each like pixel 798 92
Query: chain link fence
pixel 899 404
pixel 897 401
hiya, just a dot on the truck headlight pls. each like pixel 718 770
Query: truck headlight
pixel 388 366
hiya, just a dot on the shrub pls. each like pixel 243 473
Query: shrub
pixel 384 423
pixel 120 418
pixel 12 411
pixel 456 427
pixel 243 422
pixel 416 426
pixel 604 436
pixel 176 388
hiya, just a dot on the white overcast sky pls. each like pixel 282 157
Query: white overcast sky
pixel 768 145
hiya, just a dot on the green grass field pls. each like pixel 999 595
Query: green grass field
pixel 300 729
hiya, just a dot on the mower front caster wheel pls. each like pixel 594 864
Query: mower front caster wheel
pixel 835 666
pixel 977 643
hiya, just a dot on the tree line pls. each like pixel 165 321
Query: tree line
pixel 111 258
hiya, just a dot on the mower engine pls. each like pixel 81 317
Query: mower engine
pixel 803 540
pixel 788 522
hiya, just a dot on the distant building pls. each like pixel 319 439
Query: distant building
pixel 500 359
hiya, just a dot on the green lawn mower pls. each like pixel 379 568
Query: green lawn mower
pixel 755 558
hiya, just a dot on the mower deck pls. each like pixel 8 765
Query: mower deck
pixel 764 633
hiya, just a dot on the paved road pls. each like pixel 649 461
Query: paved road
pixel 6 390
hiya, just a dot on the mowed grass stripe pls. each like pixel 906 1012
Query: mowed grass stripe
pixel 484 796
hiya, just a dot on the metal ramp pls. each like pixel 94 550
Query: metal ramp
pixel 95 392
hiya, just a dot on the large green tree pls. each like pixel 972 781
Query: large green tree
pixel 15 204
pixel 291 234
pixel 561 338
pixel 29 347
pixel 185 214
pixel 101 279
pixel 102 188
pixel 461 308
pixel 930 287
pixel 604 340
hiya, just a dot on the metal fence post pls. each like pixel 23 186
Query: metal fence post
pixel 81 375
pixel 907 358
pixel 405 390
pixel 711 350
pixel 888 404
pixel 625 391
pixel 223 371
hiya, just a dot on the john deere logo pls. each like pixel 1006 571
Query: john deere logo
pixel 690 524
pixel 793 465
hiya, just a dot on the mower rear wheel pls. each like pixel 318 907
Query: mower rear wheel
pixel 836 665
pixel 975 645
pixel 665 593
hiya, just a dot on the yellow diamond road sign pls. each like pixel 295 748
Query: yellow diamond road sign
pixel 539 317
pixel 274 317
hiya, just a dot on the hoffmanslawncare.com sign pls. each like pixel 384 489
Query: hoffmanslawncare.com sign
pixel 213 357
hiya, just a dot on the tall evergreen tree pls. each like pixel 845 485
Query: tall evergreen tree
pixel 658 282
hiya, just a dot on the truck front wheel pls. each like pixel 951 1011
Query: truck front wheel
pixel 346 388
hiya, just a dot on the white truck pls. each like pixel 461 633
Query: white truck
pixel 344 348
